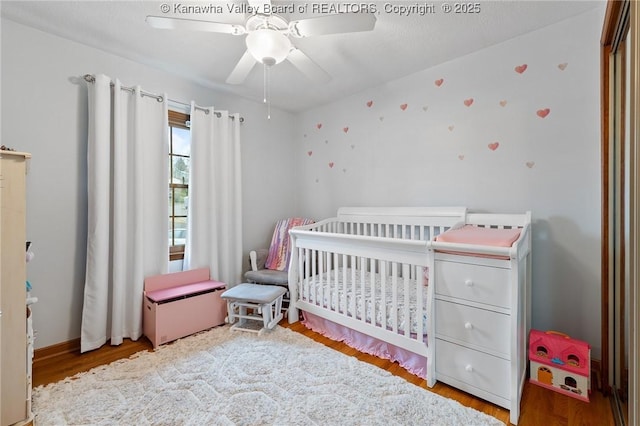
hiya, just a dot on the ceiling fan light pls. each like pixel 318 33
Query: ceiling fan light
pixel 267 46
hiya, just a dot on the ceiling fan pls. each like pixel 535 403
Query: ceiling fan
pixel 268 36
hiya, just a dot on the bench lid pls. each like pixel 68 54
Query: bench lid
pixel 183 290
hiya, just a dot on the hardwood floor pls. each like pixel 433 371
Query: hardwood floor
pixel 539 406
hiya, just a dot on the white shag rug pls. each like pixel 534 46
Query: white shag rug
pixel 223 377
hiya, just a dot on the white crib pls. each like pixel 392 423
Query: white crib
pixel 377 272
pixel 366 269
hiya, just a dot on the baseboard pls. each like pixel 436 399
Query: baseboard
pixel 45 353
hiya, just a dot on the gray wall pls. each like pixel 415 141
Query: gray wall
pixel 413 142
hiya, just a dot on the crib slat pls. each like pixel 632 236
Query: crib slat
pixel 353 286
pixel 316 256
pixel 323 273
pixel 394 297
pixel 336 295
pixel 363 267
pixel 310 272
pixel 419 271
pixel 383 290
pixel 372 297
pixel 343 299
pixel 407 282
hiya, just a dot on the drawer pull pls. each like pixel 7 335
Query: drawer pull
pixel 468 283
pixel 469 368
pixel 468 325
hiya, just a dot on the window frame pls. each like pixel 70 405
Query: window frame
pixel 179 120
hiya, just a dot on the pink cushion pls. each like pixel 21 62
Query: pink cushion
pixel 476 235
pixel 183 290
pixel 279 251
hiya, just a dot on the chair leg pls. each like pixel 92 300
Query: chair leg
pixel 279 312
pixel 231 316
pixel 266 315
pixel 272 313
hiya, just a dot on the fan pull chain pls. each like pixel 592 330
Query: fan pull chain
pixel 264 83
pixel 267 94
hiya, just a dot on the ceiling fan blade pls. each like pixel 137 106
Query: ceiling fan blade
pixel 333 24
pixel 307 67
pixel 167 23
pixel 242 69
pixel 261 6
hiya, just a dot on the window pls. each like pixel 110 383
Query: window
pixel 179 165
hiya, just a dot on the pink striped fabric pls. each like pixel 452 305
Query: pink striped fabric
pixel 279 251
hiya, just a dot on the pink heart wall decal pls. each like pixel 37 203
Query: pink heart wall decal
pixel 493 146
pixel 521 68
pixel 503 103
pixel 562 66
pixel 319 125
pixel 369 104
pixel 345 129
pixel 331 165
pixel 439 82
pixel 460 157
pixel 542 113
pixel 309 153
pixel 468 102
pixel 530 164
pixel 403 106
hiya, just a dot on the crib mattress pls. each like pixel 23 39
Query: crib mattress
pixel 321 290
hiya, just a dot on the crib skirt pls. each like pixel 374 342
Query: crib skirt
pixel 413 363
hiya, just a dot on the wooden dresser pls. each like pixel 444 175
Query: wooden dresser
pixel 481 315
pixel 14 383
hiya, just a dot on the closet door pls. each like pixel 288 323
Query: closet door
pixel 13 320
pixel 621 210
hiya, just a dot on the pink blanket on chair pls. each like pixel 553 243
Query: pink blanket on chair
pixel 279 251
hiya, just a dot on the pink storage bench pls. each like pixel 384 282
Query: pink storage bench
pixel 181 303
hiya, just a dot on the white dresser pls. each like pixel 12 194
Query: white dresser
pixel 481 315
pixel 15 393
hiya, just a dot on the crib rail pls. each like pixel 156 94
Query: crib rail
pixel 374 285
pixel 409 223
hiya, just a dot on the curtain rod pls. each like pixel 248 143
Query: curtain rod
pixel 90 78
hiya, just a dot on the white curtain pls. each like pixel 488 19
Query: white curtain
pixel 214 231
pixel 127 165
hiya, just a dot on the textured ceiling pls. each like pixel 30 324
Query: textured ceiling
pixel 399 45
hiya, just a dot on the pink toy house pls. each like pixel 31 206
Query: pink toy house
pixel 560 363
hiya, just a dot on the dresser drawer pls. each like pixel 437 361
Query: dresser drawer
pixel 480 370
pixel 476 283
pixel 475 326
